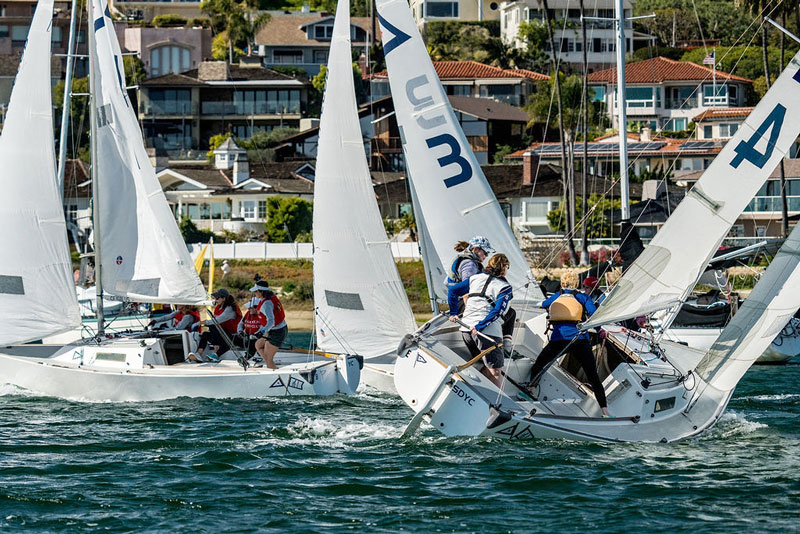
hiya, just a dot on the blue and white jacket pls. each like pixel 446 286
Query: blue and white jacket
pixel 482 312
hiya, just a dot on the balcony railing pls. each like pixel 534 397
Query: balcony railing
pixel 681 103
pixel 772 204
pixel 169 107
pixel 250 108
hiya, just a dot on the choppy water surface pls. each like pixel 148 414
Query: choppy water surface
pixel 337 464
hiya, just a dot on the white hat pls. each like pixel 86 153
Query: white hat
pixel 261 285
pixel 253 303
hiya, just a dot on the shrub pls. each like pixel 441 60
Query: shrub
pixel 192 234
pixel 169 19
pixel 288 218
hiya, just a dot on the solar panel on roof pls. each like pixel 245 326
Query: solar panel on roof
pixel 699 145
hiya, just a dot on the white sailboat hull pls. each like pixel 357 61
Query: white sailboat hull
pixel 119 371
pixel 783 348
pixel 465 403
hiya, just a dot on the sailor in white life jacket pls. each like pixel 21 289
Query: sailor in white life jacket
pixel 488 296
pixel 567 308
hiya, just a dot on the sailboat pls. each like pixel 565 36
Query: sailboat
pixel 657 390
pixel 139 255
pixel 361 305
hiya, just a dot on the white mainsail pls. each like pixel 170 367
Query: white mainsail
pixel 143 255
pixel 360 301
pixel 679 253
pixel 765 312
pixel 451 188
pixel 37 292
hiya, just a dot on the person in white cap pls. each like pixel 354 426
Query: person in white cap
pixel 250 327
pixel 275 331
pixel 470 259
pixel 225 268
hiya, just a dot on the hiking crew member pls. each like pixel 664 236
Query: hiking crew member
pixel 469 262
pixel 275 331
pixel 567 308
pixel 226 317
pixel 250 327
pixel 183 318
pixel 488 294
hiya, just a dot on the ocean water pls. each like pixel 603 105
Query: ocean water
pixel 337 464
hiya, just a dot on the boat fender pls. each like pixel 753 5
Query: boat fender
pixel 406 343
pixel 309 376
pixel 496 417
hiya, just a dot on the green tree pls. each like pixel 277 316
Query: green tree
pixel 678 20
pixel 78 140
pixel 532 55
pixel 134 69
pixel 596 224
pixel 214 142
pixel 192 234
pixel 239 20
pixel 288 218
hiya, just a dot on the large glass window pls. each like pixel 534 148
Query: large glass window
pixel 441 9
pixel 19 33
pixel 598 92
pixel 683 97
pixel 728 129
pixel 323 32
pixel 675 125
pixel 170 101
pixel 459 90
pixel 249 209
pixel 641 97
pixel 220 210
pixel 166 59
pixel 287 56
pixel 320 56
pixel 715 95
pixel 261 101
pixel 3 31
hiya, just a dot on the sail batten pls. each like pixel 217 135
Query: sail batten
pixel 669 267
pixel 452 191
pixel 142 253
pixel 360 300
pixel 37 292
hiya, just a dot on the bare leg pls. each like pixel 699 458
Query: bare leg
pixel 260 343
pixel 494 375
pixel 269 355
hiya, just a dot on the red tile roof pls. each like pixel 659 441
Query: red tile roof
pixel 724 113
pixel 661 69
pixel 462 70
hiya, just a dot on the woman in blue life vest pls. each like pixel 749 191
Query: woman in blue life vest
pixel 567 308
pixel 488 294
pixel 469 260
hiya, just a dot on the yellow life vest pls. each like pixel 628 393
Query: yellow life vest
pixel 566 308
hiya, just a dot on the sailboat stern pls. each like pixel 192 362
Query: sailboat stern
pixel 348 369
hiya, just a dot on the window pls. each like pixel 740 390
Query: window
pixel 598 93
pixel 166 59
pixel 710 98
pixel 19 33
pixel 262 209
pixel 441 9
pixel 320 56
pixel 205 210
pixel 55 35
pixel 728 130
pixel 708 132
pixel 81 36
pixel 287 56
pixel 249 209
pixel 357 34
pixel 641 97
pixel 3 31
pixel 458 90
pixel 220 210
pixel 2 11
pixel 536 210
pixel 323 32
pixel 170 101
pixel 675 125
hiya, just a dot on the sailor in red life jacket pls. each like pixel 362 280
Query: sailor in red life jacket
pixel 185 317
pixel 274 332
pixel 221 327
pixel 250 327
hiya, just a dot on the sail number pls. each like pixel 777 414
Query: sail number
pixel 746 150
pixel 453 158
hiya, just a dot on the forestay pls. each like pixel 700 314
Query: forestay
pixel 37 292
pixel 451 188
pixel 143 255
pixel 361 304
pixel 680 251
pixel 763 315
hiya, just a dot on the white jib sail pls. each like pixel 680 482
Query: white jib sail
pixel 37 292
pixel 143 255
pixel 680 251
pixel 763 315
pixel 361 304
pixel 452 190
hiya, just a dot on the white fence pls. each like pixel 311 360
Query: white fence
pixel 261 250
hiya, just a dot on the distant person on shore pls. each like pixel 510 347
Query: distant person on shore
pixel 250 327
pixel 567 308
pixel 225 268
pixel 488 294
pixel 185 317
pixel 275 330
pixel 226 318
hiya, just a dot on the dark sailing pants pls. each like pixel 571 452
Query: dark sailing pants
pixel 580 349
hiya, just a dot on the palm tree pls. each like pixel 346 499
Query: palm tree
pixel 565 175
pixel 237 19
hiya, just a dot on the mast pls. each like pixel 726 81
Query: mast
pixel 621 114
pixel 62 143
pixel 98 277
